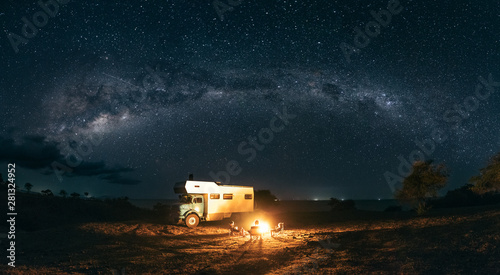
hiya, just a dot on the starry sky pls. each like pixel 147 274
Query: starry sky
pixel 310 99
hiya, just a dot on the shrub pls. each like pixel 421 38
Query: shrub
pixel 339 205
pixel 393 208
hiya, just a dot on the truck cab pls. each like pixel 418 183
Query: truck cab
pixel 192 206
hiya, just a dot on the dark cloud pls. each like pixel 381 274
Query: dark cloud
pixel 332 90
pixel 117 178
pixel 34 152
pixel 97 169
pixel 37 153
pixel 367 106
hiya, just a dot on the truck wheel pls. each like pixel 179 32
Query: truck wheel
pixel 192 220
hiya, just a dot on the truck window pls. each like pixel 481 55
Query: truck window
pixel 248 196
pixel 214 196
pixel 199 200
pixel 227 196
pixel 185 199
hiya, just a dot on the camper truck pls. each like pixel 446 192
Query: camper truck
pixel 211 201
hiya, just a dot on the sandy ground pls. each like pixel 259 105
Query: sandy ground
pixel 453 241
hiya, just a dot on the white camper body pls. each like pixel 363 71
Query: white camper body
pixel 211 201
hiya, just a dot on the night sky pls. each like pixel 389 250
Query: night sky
pixel 125 98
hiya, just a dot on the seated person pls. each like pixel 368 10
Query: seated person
pixel 233 230
pixel 278 229
pixel 255 229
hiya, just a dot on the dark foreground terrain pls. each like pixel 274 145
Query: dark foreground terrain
pixel 445 241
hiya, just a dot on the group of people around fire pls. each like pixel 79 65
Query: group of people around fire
pixel 254 229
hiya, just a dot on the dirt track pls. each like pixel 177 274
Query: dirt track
pixel 441 243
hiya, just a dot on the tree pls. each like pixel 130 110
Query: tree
pixel 341 205
pixel 488 179
pixel 423 183
pixel 162 209
pixel 47 193
pixel 86 194
pixel 28 186
pixel 63 193
pixel 75 195
pixel 264 198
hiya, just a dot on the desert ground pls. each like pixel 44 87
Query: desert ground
pixel 444 241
